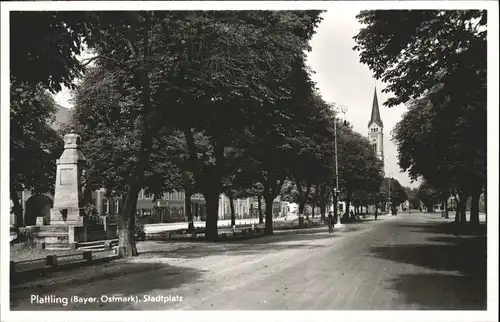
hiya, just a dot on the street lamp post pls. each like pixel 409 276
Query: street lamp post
pixel 390 193
pixel 338 109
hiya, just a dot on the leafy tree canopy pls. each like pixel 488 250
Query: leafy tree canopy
pixel 448 153
pixel 391 188
pixel 430 195
pixel 44 46
pixel 34 144
pixel 360 171
pixel 413 51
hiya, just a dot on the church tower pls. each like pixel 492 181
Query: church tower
pixel 376 129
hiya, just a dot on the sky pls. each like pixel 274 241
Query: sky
pixel 342 79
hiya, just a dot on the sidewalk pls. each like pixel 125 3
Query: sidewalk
pixel 451 216
pixel 161 227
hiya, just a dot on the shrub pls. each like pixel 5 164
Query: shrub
pixel 91 215
pixel 139 231
pixel 27 237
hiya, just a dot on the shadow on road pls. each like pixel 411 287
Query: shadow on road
pixel 349 229
pixel 465 257
pixel 447 228
pixel 442 291
pixel 290 235
pixel 139 278
pixel 461 282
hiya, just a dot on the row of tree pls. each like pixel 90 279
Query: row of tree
pixel 434 61
pixel 204 102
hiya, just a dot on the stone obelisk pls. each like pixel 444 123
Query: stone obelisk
pixel 70 184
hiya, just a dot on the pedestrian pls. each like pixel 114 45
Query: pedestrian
pixel 330 222
pixel 376 213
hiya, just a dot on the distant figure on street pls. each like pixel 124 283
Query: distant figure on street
pixel 376 213
pixel 330 223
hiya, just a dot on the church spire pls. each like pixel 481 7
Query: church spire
pixel 375 112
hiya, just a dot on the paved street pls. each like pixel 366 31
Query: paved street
pixel 403 262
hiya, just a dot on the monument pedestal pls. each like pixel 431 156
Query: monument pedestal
pixel 66 224
pixel 73 217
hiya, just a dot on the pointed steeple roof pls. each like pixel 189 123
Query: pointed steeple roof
pixel 375 112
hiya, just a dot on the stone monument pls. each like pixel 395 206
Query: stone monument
pixel 67 226
pixel 71 184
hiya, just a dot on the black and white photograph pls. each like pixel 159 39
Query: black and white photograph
pixel 242 161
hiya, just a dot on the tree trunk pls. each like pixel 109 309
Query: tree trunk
pixel 17 209
pixel 187 205
pixel 269 214
pixel 126 223
pixel 485 207
pixel 212 215
pixel 322 208
pixel 347 206
pixel 457 213
pixel 126 219
pixel 302 205
pixel 446 214
pixel 212 183
pixel 259 203
pixel 231 205
pixel 474 211
pixel 485 203
pixel 462 203
pixel 324 199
